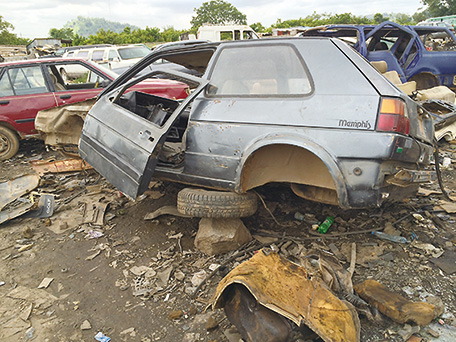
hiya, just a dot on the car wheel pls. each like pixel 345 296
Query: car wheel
pixel 9 143
pixel 64 75
pixel 216 204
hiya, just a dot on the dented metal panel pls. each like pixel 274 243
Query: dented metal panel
pixel 287 289
pixel 324 137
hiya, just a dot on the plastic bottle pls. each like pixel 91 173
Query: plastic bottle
pixel 324 226
pixel 389 237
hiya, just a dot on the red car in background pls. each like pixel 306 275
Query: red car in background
pixel 28 86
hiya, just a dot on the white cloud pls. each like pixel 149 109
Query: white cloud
pixel 33 18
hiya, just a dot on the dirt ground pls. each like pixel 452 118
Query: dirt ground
pixel 134 283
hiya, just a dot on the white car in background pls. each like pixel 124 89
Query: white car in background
pixel 111 57
pixel 436 23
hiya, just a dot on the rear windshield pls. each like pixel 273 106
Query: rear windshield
pixel 133 52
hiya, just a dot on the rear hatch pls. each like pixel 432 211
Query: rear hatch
pixel 396 115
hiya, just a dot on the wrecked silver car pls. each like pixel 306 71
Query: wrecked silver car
pixel 310 112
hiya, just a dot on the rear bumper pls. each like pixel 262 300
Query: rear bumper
pixel 387 185
pixel 405 178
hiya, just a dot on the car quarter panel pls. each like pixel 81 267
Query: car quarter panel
pixel 225 130
pixel 339 101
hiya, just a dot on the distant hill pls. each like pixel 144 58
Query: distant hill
pixel 90 26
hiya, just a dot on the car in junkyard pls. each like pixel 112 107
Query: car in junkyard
pixel 162 64
pixel 417 53
pixel 114 57
pixel 310 112
pixel 29 86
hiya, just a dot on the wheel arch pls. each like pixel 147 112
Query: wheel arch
pixel 11 127
pixel 263 162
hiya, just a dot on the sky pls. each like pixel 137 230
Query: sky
pixel 34 18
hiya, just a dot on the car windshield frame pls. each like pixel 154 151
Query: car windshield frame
pixel 136 70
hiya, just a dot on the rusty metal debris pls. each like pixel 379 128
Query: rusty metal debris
pixel 56 166
pixel 63 125
pixel 17 187
pixel 395 306
pixel 29 208
pixel 289 291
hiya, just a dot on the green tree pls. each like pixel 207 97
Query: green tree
pixel 63 33
pixel 7 37
pixel 379 18
pixel 79 40
pixel 316 19
pixel 104 37
pixel 170 34
pixel 421 16
pixel 437 8
pixel 217 12
pixel 258 27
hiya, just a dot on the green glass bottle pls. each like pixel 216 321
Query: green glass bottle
pixel 324 226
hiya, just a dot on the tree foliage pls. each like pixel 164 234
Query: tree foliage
pixel 438 8
pixel 258 27
pixel 7 37
pixel 379 18
pixel 63 33
pixel 129 36
pixel 316 19
pixel 217 12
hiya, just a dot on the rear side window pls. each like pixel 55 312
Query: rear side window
pixel 5 86
pixel 27 80
pixel 83 54
pixel 97 55
pixel 112 55
pixel 262 70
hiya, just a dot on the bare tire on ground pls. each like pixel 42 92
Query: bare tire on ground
pixel 216 204
pixel 9 143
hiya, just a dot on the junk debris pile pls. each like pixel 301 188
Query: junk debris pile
pixel 286 279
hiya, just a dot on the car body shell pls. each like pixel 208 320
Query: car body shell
pixel 325 140
pixel 416 60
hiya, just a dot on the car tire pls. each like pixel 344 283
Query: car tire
pixel 9 143
pixel 215 204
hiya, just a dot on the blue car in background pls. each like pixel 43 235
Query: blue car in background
pixel 423 54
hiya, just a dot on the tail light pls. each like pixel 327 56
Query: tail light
pixel 393 117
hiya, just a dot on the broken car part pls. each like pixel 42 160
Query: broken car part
pixel 290 292
pixel 395 306
pixel 365 132
pixel 15 188
pixel 56 166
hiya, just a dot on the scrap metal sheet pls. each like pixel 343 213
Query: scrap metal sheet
pixel 56 166
pixel 15 188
